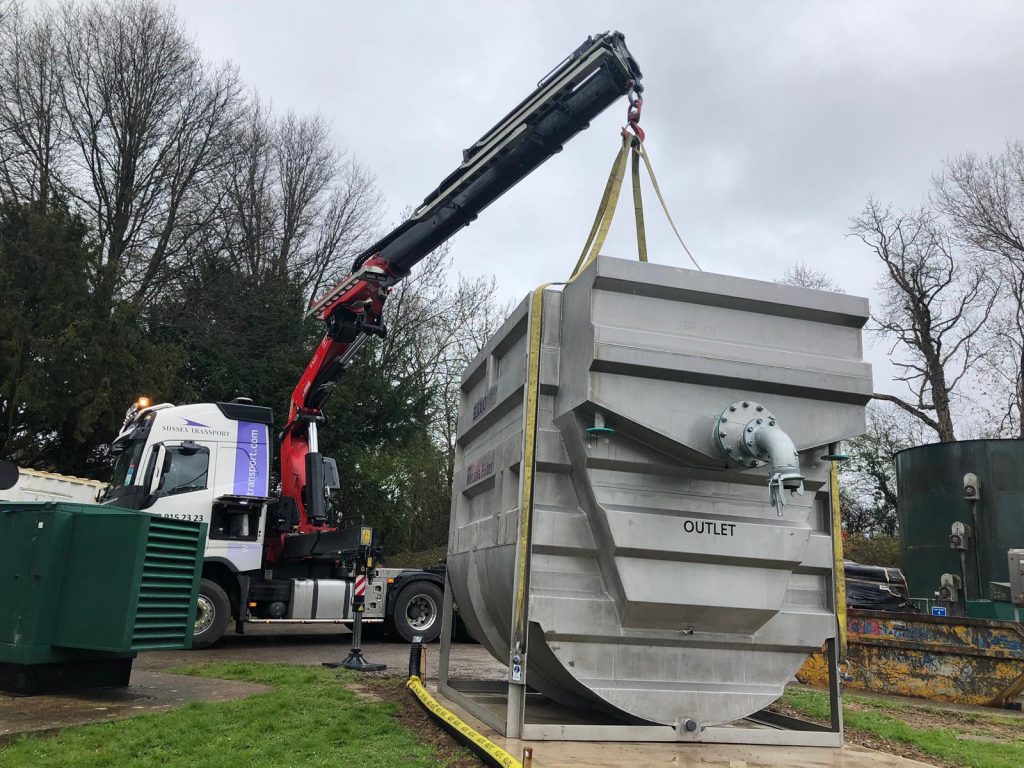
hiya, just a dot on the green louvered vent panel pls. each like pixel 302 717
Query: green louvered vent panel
pixel 165 595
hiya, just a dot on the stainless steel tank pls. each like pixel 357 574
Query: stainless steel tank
pixel 660 584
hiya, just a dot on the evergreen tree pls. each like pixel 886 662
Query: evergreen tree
pixel 67 370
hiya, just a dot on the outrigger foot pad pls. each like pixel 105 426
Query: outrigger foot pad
pixel 355 661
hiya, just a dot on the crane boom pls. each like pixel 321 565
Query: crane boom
pixel 589 80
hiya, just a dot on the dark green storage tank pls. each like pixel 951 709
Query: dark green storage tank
pixel 930 480
pixel 86 587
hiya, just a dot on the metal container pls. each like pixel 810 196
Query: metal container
pixel 934 492
pixel 34 485
pixel 651 578
pixel 954 659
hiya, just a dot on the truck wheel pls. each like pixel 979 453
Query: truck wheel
pixel 213 612
pixel 418 612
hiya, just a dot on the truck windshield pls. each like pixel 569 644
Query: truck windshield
pixel 126 466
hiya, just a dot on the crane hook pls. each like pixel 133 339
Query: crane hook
pixel 636 103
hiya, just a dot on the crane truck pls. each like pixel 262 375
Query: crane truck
pixel 273 554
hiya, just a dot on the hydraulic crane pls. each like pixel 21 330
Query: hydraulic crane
pixel 279 559
pixel 565 101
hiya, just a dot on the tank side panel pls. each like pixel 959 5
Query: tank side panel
pixel 486 491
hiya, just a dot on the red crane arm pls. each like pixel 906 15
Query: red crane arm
pixel 353 311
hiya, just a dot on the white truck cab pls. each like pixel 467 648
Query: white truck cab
pixel 210 462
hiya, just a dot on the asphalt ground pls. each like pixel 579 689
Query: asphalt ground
pixel 316 644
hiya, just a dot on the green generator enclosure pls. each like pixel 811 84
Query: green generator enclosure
pixel 86 587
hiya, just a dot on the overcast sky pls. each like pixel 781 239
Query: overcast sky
pixel 769 124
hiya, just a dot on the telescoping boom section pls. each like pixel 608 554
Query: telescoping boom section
pixel 589 80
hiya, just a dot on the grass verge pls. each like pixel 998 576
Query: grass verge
pixel 310 718
pixel 967 738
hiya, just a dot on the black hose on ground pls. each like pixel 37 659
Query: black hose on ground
pixel 489 753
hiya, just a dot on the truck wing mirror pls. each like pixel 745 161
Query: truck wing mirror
pixel 159 461
pixel 189 448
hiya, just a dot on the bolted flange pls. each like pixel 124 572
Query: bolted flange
pixel 734 432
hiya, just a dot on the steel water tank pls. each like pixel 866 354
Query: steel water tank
pixel 931 497
pixel 655 580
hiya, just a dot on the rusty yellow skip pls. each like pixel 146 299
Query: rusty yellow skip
pixel 955 659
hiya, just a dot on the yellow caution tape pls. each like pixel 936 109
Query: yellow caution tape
pixel 498 755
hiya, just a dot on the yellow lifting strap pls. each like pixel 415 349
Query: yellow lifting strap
pixel 664 206
pixel 605 210
pixel 638 203
pixel 609 202
pixel 533 355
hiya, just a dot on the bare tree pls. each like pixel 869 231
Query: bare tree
pixel 933 308
pixel 437 323
pixel 984 200
pixel 150 122
pixel 869 477
pixel 32 122
pixel 805 276
pixel 1004 357
pixel 477 315
pixel 295 207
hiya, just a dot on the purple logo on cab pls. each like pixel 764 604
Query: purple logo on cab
pixel 252 460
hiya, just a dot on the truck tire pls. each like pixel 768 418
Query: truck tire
pixel 417 612
pixel 213 612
